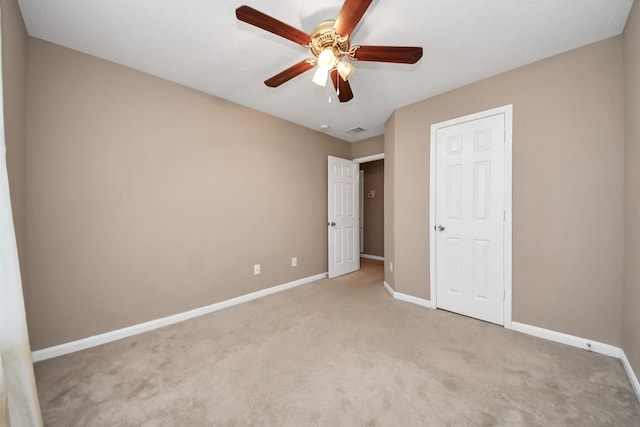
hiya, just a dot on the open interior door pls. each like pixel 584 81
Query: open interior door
pixel 343 220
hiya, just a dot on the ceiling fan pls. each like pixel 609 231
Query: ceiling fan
pixel 330 45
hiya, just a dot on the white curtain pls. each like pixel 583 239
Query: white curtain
pixel 18 397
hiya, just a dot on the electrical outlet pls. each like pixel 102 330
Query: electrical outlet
pixel 256 269
pixel 294 261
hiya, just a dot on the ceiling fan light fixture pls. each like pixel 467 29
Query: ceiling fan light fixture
pixel 320 76
pixel 329 42
pixel 345 69
pixel 327 59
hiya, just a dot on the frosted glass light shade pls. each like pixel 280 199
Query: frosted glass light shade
pixel 345 69
pixel 320 77
pixel 326 59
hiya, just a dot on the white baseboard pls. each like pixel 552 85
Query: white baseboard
pixel 408 298
pixel 629 370
pixel 374 257
pixel 93 341
pixel 388 288
pixel 413 300
pixel 583 343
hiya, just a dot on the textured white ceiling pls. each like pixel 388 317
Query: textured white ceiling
pixel 200 44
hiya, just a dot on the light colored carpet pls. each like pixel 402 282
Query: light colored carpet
pixel 336 352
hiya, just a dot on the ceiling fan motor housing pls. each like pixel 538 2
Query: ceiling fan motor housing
pixel 324 37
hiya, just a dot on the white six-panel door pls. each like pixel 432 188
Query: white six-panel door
pixel 343 220
pixel 469 218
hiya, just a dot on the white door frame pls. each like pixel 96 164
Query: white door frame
pixel 361 212
pixel 360 160
pixel 368 159
pixel 507 110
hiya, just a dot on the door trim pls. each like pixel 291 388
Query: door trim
pixel 507 110
pixel 371 158
pixel 360 160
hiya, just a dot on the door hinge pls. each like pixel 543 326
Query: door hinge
pixel 504 215
pixel 505 136
pixel 504 294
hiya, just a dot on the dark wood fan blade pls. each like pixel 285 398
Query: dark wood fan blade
pixel 349 16
pixel 343 88
pixel 290 73
pixel 254 17
pixel 397 54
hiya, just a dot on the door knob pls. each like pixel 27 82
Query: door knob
pixel 440 227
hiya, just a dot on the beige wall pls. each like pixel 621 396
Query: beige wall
pixel 389 200
pixel 134 212
pixel 367 147
pixel 567 187
pixel 146 198
pixel 631 309
pixel 373 232
pixel 14 74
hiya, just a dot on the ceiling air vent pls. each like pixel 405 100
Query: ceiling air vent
pixel 355 131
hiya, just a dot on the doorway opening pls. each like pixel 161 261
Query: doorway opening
pixel 371 206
